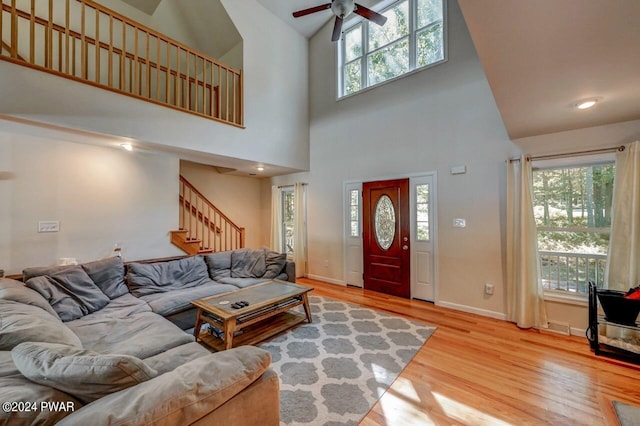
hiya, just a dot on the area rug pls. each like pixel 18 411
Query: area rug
pixel 628 415
pixel 334 370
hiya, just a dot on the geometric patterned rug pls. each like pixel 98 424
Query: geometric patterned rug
pixel 628 415
pixel 333 370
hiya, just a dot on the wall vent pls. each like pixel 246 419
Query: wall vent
pixel 559 327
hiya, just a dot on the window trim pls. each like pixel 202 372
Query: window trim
pixel 412 37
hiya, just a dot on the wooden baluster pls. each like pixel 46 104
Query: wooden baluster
pixel 192 223
pixel 97 46
pixel 166 95
pixel 157 68
pixel 123 56
pixel 1 25
pixel 32 33
pixel 188 80
pixel 136 64
pixel 181 203
pixel 211 90
pixel 110 78
pixel 59 51
pixel 177 98
pixel 240 98
pixel 148 58
pixel 66 37
pixel 14 30
pixel 83 42
pixel 195 85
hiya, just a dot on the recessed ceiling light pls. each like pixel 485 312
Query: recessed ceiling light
pixel 587 103
pixel 127 146
pixel 260 169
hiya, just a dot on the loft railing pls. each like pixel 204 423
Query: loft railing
pixel 206 223
pixel 571 271
pixel 87 42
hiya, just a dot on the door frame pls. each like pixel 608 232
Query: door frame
pixel 357 184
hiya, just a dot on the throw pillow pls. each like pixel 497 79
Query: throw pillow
pixel 108 275
pixel 161 277
pixel 247 263
pixel 275 263
pixel 18 292
pixel 39 271
pixel 219 264
pixel 84 374
pixel 20 323
pixel 70 292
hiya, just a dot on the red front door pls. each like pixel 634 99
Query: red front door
pixel 385 216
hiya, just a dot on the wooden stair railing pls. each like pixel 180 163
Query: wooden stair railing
pixel 203 227
pixel 87 42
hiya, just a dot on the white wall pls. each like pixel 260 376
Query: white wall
pixel 237 197
pixel 429 121
pixel 275 102
pixel 99 195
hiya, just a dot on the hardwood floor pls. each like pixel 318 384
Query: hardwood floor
pixel 476 370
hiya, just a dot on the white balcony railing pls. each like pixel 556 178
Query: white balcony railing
pixel 571 271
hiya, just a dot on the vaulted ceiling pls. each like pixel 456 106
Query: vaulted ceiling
pixel 541 57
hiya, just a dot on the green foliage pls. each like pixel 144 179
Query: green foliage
pixel 577 197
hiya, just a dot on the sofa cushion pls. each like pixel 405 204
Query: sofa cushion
pixel 175 357
pixel 85 374
pixel 108 275
pixel 18 292
pixel 274 262
pixel 70 292
pixel 182 396
pixel 18 388
pixel 39 271
pixel 247 263
pixel 243 282
pixel 142 334
pixel 160 277
pixel 219 264
pixel 179 300
pixel 28 323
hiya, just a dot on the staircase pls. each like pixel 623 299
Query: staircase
pixel 203 227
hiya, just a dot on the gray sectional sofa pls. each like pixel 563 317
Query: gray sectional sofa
pixel 103 343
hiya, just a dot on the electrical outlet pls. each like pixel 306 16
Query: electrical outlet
pixel 488 288
pixel 48 226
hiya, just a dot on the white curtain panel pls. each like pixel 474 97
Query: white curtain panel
pixel 623 265
pixel 525 296
pixel 276 219
pixel 300 229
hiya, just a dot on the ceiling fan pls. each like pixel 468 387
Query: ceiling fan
pixel 342 9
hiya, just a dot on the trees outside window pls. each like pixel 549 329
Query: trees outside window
pixel 412 38
pixel 572 209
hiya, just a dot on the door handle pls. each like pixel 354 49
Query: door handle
pixel 405 247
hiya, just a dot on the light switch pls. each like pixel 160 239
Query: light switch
pixel 48 226
pixel 459 223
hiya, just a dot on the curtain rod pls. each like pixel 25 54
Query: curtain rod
pixel 620 148
pixel 291 186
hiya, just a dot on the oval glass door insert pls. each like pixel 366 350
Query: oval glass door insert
pixel 385 222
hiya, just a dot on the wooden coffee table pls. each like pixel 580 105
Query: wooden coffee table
pixel 268 313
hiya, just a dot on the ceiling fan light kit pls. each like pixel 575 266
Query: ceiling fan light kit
pixel 342 9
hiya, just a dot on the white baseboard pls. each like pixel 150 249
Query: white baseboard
pixel 472 310
pixel 578 332
pixel 326 279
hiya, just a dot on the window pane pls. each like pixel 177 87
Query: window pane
pixel 574 242
pixel 389 62
pixel 423 231
pixel 397 26
pixel 422 194
pixel 352 77
pixel 353 44
pixel 430 46
pixel 354 197
pixel 574 196
pixel 354 213
pixel 354 229
pixel 428 12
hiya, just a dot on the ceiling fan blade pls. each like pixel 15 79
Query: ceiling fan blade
pixel 337 28
pixel 311 10
pixel 370 14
